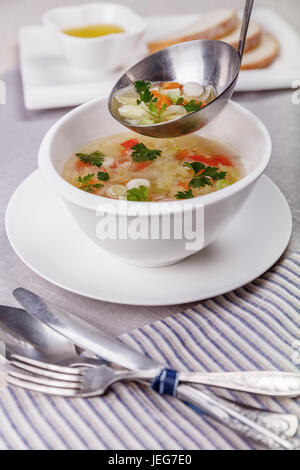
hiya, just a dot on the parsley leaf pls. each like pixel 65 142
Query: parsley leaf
pixel 86 183
pixel 185 194
pixel 143 89
pixel 137 194
pixel 103 176
pixel 214 173
pixel 192 106
pixel 141 85
pixel 141 153
pixel 210 173
pixel 195 166
pixel 95 158
pixel 200 182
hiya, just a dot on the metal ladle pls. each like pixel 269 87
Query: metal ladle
pixel 208 62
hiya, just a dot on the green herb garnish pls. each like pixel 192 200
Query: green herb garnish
pixel 204 179
pixel 143 89
pixel 192 106
pixel 195 166
pixel 87 184
pixel 141 153
pixel 137 194
pixel 185 194
pixel 103 176
pixel 207 174
pixel 141 85
pixel 95 158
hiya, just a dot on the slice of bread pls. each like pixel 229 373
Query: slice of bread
pixel 263 55
pixel 210 25
pixel 253 36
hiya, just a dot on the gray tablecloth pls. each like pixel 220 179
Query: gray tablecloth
pixel 21 132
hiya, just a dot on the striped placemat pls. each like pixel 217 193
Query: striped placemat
pixel 255 327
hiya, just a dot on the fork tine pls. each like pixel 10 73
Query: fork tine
pixel 11 371
pixel 45 365
pixel 64 392
pixel 76 377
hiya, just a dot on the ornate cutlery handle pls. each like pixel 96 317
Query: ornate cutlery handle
pixel 233 417
pixel 269 383
pixel 275 384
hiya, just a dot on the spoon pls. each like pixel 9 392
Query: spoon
pixel 208 62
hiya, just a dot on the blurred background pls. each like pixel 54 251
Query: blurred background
pixel 16 13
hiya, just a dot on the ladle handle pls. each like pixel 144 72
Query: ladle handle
pixel 245 25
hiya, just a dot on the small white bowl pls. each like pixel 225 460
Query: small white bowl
pixel 90 121
pixel 100 54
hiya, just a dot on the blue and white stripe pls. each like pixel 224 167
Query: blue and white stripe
pixel 255 327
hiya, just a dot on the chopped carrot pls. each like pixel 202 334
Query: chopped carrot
pixel 171 85
pixel 155 93
pixel 183 154
pixel 184 185
pixel 162 99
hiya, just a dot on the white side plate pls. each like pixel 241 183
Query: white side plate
pixel 49 82
pixel 45 237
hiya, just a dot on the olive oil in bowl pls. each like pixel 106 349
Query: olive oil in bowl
pixel 94 30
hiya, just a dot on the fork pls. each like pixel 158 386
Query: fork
pixel 268 383
pixel 85 383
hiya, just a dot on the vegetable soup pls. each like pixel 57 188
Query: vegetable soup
pixel 138 168
pixel 145 103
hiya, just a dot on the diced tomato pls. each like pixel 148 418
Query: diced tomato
pixel 203 159
pixel 212 161
pixel 141 165
pixel 223 160
pixel 80 165
pixel 114 165
pixel 129 143
pixel 171 85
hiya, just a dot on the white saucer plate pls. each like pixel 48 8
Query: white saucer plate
pixel 49 82
pixel 45 237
